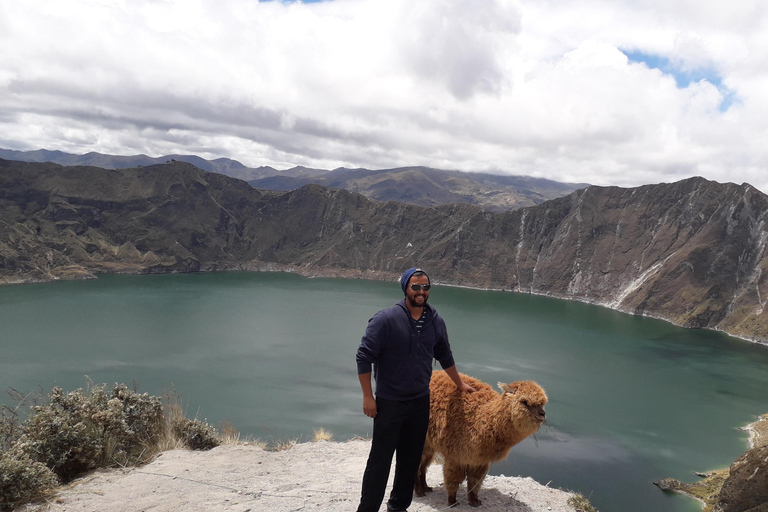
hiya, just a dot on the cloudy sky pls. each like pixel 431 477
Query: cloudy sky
pixel 610 92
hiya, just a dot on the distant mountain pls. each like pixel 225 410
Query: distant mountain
pixel 431 187
pixel 691 252
pixel 413 185
pixel 225 166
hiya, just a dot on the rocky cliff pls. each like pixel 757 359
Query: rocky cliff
pixel 746 488
pixel 691 252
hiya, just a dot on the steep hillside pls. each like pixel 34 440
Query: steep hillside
pixel 691 252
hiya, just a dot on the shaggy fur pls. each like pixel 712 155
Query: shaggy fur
pixel 471 431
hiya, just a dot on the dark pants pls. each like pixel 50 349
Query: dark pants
pixel 398 427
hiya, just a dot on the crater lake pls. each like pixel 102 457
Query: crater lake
pixel 631 399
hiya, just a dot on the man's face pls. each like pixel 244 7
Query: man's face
pixel 417 298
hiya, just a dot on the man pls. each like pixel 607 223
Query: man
pixel 400 343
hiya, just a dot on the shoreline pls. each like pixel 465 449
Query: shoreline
pixel 713 480
pixel 757 432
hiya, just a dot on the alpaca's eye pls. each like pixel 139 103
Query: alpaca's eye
pixel 524 402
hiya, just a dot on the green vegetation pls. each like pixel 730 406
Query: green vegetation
pixel 76 432
pixel 23 479
pixel 581 504
pixel 707 491
pixel 196 434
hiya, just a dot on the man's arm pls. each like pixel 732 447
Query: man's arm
pixel 369 402
pixel 367 355
pixel 453 373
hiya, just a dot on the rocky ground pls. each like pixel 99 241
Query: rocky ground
pixel 321 476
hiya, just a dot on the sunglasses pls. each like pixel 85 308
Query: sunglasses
pixel 418 287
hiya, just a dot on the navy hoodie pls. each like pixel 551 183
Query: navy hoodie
pixel 401 357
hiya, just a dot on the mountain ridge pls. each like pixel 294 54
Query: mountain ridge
pixel 691 252
pixel 416 185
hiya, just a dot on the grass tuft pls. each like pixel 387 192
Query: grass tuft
pixel 281 446
pixel 322 435
pixel 229 434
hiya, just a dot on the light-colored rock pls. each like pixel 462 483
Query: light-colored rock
pixel 320 477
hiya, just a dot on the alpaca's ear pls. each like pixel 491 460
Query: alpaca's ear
pixel 506 388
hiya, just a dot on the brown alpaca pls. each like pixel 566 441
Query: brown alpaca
pixel 471 431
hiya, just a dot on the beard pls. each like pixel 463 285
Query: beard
pixel 416 302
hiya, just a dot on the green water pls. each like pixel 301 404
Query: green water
pixel 632 400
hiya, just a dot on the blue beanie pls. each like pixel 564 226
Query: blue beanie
pixel 407 277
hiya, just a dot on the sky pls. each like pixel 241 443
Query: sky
pixel 608 92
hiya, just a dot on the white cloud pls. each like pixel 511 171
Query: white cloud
pixel 539 87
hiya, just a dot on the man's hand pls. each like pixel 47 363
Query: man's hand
pixel 369 401
pixel 453 373
pixel 369 406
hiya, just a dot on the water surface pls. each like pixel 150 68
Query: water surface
pixel 632 399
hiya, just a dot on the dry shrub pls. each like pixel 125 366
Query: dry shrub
pixel 10 430
pixel 182 432
pixel 63 436
pixel 143 415
pixel 196 434
pixel 79 431
pixel 23 480
pixel 10 418
pixel 75 432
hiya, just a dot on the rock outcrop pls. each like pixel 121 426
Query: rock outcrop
pixel 746 489
pixel 741 488
pixel 691 252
